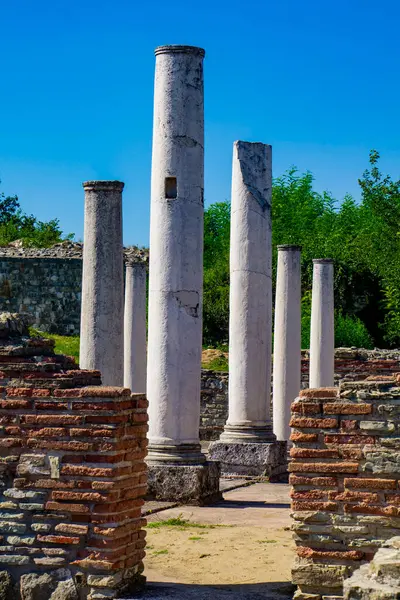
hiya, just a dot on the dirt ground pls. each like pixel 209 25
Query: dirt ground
pixel 243 540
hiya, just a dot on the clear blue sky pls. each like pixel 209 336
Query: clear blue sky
pixel 318 80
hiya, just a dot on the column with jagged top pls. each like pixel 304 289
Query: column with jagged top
pixel 248 445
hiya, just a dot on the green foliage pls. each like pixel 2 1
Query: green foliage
pixel 216 273
pixel 351 331
pixel 363 238
pixel 217 364
pixel 65 344
pixel 16 225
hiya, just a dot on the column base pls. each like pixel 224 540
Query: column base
pixel 268 459
pixel 243 433
pixel 179 454
pixel 187 484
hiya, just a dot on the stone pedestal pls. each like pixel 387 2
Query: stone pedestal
pixel 250 459
pixel 196 484
pixel 176 277
pixel 248 431
pixel 101 343
pixel 322 339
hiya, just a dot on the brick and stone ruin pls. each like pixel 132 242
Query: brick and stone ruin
pixel 73 446
pixel 72 475
pixel 345 473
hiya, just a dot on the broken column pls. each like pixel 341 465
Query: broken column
pixel 177 468
pixel 322 339
pixel 247 446
pixel 287 338
pixel 101 344
pixel 135 351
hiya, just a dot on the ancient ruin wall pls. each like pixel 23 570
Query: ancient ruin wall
pixel 72 475
pixel 46 283
pixel 350 365
pixel 345 473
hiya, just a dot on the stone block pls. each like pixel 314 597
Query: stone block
pixel 187 484
pixel 251 459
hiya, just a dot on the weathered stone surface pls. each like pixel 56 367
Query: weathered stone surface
pixel 305 573
pixel 189 484
pixel 248 458
pixel 56 585
pixel 6 586
pixel 378 580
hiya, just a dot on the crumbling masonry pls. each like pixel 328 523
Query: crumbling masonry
pixel 345 473
pixel 72 477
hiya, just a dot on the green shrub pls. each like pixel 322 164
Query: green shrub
pixel 351 331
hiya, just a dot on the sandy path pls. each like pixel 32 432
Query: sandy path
pixel 245 541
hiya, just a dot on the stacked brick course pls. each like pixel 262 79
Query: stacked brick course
pixel 72 477
pixel 345 473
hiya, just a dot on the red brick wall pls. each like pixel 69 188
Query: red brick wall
pixel 345 473
pixel 73 475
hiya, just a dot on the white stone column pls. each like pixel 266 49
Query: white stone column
pixel 176 257
pixel 135 351
pixel 101 343
pixel 250 322
pixel 322 341
pixel 286 381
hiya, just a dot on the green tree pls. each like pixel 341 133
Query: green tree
pixel 16 225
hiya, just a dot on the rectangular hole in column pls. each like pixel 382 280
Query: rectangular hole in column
pixel 171 187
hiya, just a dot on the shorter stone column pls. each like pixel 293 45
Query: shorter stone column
pixel 248 446
pixel 287 339
pixel 322 339
pixel 101 344
pixel 135 352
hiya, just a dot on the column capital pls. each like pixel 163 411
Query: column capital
pixel 289 248
pixel 103 186
pixel 178 49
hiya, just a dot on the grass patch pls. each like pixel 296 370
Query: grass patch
pixel 157 552
pixel 216 364
pixel 267 541
pixel 194 538
pixel 65 344
pixel 181 524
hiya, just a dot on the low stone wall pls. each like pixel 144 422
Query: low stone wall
pixel 213 404
pixel 72 475
pixel 345 473
pixel 351 364
pixel 46 283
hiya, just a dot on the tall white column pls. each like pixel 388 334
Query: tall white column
pixel 250 322
pixel 322 342
pixel 176 257
pixel 101 343
pixel 287 338
pixel 135 351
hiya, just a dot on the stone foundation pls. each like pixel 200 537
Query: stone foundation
pixel 72 477
pixel 345 472
pixel 249 459
pixel 378 580
pixel 187 484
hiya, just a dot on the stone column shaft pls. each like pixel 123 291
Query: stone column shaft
pixel 101 343
pixel 176 256
pixel 287 338
pixel 135 351
pixel 250 327
pixel 322 342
